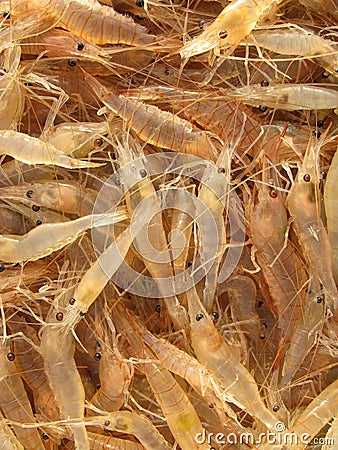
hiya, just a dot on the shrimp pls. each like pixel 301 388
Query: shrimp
pixel 56 42
pixel 30 364
pixel 12 101
pixel 30 150
pixel 132 423
pixel 50 237
pixel 288 97
pixel 281 267
pixel 298 41
pixel 115 375
pixel 304 335
pixel 180 415
pixel 232 25
pixel 8 439
pixel 101 442
pixel 14 401
pixel 304 208
pixel 89 20
pixel 57 350
pixel 331 211
pixel 66 196
pixel 153 126
pixel 76 139
pixel 242 294
pixel 211 350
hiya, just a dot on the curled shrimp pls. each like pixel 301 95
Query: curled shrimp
pixel 48 238
pixel 232 25
pixel 160 128
pixel 30 150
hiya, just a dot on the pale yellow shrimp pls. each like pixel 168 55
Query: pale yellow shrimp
pixel 48 238
pixel 160 128
pixel 56 42
pixel 132 423
pixel 211 350
pixel 232 25
pixel 97 23
pixel 291 40
pixel 282 269
pixel 57 350
pixel 12 100
pixel 304 335
pixel 331 211
pixel 114 372
pixel 65 196
pixel 76 139
pixel 287 97
pixel 303 203
pixel 8 439
pixel 14 401
pixel 30 150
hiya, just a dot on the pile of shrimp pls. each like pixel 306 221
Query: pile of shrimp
pixel 168 250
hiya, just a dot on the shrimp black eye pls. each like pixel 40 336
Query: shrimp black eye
pixel 158 308
pixel 59 316
pixel 201 23
pixel 325 74
pixel 222 34
pixel 262 336
pixel 2 267
pixel 221 170
pixel 38 222
pixel 307 178
pixel 117 181
pixel 319 299
pixel 260 304
pixel 262 108
pixel 273 193
pixel 320 123
pixel 143 173
pixel 29 194
pixel 71 63
pixel 10 356
pixel 166 71
pixel 323 175
pixel 97 356
pixel 140 3
pixel 189 264
pixel 72 301
pixel 316 133
pixel 215 315
pixel 45 436
pixel 107 423
pixel 82 313
pixel 6 15
pixel 275 408
pixel 264 83
pixel 199 317
pixel 80 46
pixel 35 208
